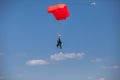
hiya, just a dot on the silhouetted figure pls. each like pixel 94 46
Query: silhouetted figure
pixel 59 43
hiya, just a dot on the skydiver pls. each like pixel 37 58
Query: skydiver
pixel 59 43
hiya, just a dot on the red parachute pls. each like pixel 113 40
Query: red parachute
pixel 60 11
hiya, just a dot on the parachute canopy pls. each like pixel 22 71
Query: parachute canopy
pixel 60 11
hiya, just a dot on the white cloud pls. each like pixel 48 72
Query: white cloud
pixel 93 3
pixel 37 62
pixel 97 60
pixel 56 57
pixel 63 56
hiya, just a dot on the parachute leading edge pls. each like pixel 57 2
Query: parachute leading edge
pixel 60 11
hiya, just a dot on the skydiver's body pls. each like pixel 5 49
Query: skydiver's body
pixel 59 43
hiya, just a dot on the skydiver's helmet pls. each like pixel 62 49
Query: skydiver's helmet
pixel 59 35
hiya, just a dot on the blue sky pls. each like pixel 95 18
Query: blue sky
pixel 90 39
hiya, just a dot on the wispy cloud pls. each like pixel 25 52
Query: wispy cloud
pixel 110 67
pixel 103 67
pixel 19 75
pixel 37 62
pixel 89 77
pixel 97 60
pixel 101 78
pixel 2 78
pixel 1 54
pixel 115 67
pixel 56 57
pixel 93 78
pixel 63 56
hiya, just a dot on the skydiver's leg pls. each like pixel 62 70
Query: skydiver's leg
pixel 57 45
pixel 60 46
